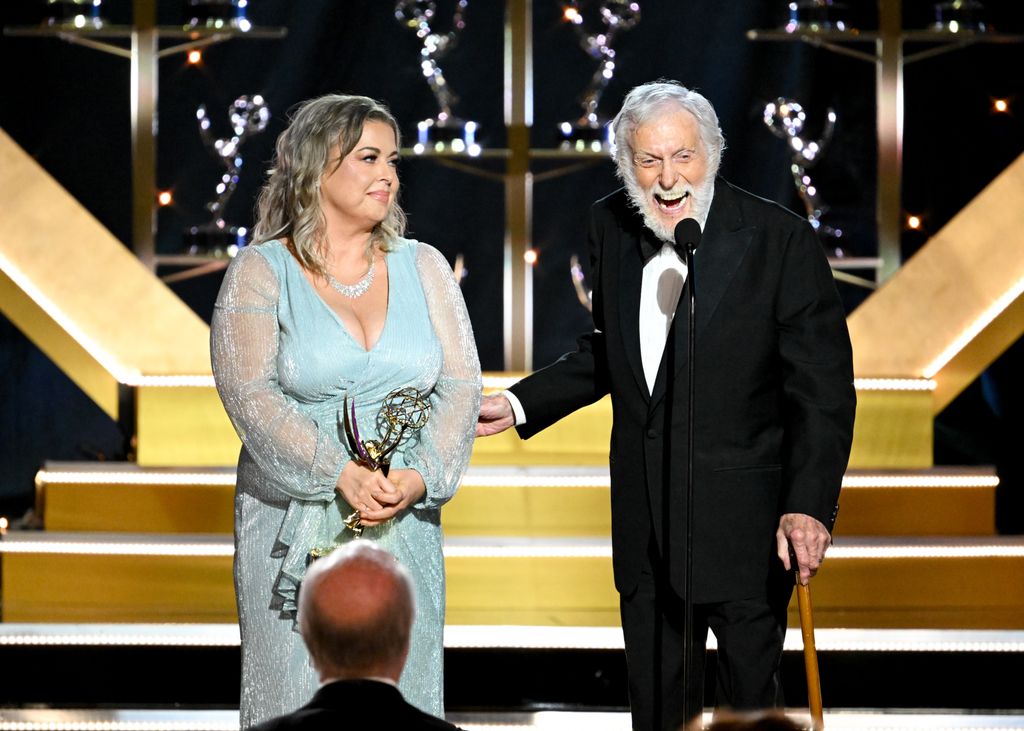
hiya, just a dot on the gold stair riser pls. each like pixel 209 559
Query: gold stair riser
pixel 570 511
pixel 186 426
pixel 549 591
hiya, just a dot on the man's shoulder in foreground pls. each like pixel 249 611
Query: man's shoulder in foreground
pixel 356 704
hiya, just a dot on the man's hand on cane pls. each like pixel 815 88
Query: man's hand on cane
pixel 808 538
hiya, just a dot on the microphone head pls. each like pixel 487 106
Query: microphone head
pixel 688 233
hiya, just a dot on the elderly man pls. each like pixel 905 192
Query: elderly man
pixel 773 411
pixel 355 614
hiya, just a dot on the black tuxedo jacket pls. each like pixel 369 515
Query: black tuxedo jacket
pixel 774 398
pixel 356 704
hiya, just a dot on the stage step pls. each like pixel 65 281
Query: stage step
pixel 76 666
pixel 550 720
pixel 908 582
pixel 496 501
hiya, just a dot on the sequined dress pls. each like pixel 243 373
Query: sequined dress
pixel 283 361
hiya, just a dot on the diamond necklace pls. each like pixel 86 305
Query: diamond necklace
pixel 354 290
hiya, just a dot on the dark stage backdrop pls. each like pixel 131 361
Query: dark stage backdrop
pixel 68 106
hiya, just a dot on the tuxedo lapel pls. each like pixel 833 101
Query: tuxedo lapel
pixel 631 268
pixel 722 248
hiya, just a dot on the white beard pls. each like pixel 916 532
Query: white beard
pixel 643 201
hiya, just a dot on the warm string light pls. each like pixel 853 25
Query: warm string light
pixel 914 222
pixel 165 198
pixel 1001 106
pixel 530 257
pixel 195 56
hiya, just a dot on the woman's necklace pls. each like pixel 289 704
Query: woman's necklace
pixel 354 290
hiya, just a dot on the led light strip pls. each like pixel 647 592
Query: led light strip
pixel 830 640
pixel 528 551
pixel 511 479
pixel 510 550
pixel 862 384
pixel 842 552
pixel 984 320
pixel 188 720
pixel 535 480
pixel 118 548
pixel 117 635
pixel 126 720
pixel 200 381
pixel 516 637
pixel 894 384
pixel 902 481
pixel 135 477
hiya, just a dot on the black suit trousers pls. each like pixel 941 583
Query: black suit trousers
pixel 750 633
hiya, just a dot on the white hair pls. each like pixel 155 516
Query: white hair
pixel 647 101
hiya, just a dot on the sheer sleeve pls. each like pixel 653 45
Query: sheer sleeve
pixel 442 452
pixel 301 457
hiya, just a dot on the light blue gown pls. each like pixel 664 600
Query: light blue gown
pixel 283 361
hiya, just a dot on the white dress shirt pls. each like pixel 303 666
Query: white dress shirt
pixel 662 283
pixel 663 279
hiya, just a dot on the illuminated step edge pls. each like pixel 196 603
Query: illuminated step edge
pixel 116 544
pixel 117 720
pixel 512 636
pixel 596 477
pixel 189 720
pixel 494 382
pixel 501 382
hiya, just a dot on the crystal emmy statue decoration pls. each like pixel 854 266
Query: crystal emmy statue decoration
pixel 445 132
pixel 216 14
pixel 402 409
pixel 786 119
pixel 816 15
pixel 579 283
pixel 248 116
pixel 959 16
pixel 590 131
pixel 74 14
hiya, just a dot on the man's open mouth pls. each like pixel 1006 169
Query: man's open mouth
pixel 671 203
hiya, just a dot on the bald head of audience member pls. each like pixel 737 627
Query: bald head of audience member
pixel 755 721
pixel 355 613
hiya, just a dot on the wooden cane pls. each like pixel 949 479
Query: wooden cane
pixel 803 597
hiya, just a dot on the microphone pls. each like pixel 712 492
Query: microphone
pixel 687 235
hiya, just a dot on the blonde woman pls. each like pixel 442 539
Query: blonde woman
pixel 331 301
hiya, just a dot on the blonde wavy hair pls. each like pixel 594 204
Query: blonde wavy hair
pixel 289 202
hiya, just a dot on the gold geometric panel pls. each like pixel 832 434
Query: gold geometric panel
pixel 957 304
pixel 81 296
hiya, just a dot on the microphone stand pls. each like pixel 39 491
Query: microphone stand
pixel 691 336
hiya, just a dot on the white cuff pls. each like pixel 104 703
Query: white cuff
pixel 517 408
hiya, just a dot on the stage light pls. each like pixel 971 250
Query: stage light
pixel 164 198
pixel 1000 106
pixel 914 222
pixel 530 257
pixel 195 56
